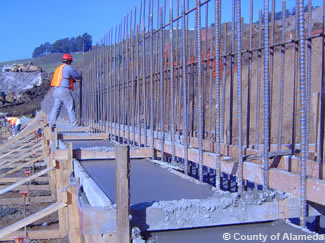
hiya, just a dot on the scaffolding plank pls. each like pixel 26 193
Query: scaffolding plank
pixel 34 235
pixel 27 179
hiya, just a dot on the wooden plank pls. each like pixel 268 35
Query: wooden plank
pixel 15 179
pixel 88 136
pixel 38 142
pixel 138 153
pixel 87 154
pixel 27 179
pixel 30 188
pixel 122 177
pixel 21 141
pixel 32 218
pixel 14 165
pixel 73 129
pixel 34 235
pixel 60 154
pixel 12 161
pixel 20 201
pixel 41 157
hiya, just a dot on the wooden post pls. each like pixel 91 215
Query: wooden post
pixel 59 191
pixel 65 169
pixel 47 156
pixel 75 235
pixel 122 177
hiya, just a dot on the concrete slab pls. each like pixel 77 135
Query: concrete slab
pixel 149 182
pixel 163 200
pixel 98 145
pixel 268 232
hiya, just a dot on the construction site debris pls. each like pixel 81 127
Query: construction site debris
pixel 20 67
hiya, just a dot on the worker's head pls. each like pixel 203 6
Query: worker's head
pixel 67 58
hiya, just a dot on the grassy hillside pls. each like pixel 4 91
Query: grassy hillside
pixel 48 62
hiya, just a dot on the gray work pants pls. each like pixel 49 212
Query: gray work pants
pixel 63 96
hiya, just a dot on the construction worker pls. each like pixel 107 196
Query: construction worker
pixel 15 123
pixel 63 78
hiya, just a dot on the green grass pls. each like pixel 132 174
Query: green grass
pixel 48 62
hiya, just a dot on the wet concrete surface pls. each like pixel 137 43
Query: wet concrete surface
pixel 90 144
pixel 270 232
pixel 149 182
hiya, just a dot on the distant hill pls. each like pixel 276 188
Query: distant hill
pixel 48 62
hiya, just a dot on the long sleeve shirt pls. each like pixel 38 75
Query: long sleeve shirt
pixel 67 73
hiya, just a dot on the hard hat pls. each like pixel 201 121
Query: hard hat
pixel 67 57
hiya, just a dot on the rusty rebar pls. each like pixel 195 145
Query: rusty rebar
pixel 217 52
pixel 303 112
pixel 266 96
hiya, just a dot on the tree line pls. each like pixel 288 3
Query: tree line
pixel 66 45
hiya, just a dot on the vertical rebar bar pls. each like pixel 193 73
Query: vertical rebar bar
pixel 210 74
pixel 123 73
pixel 199 81
pixel 151 83
pixel 231 71
pixel 178 70
pixel 128 36
pixel 271 69
pixel 184 76
pixel 303 112
pixel 144 89
pixel 224 76
pixel 114 87
pixel 162 128
pixel 133 77
pixel 217 59
pixel 239 97
pixel 320 154
pixel 110 84
pixel 282 70
pixel 266 95
pixel 308 91
pixel 119 79
pixel 249 74
pixel 171 67
pixel 294 96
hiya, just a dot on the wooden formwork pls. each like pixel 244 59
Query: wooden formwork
pixel 19 153
pixel 64 192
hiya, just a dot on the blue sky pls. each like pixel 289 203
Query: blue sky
pixel 26 24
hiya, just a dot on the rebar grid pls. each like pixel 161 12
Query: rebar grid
pixel 163 76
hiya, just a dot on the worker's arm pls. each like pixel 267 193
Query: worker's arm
pixel 75 75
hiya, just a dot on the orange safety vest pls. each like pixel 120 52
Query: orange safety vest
pixel 57 77
pixel 12 120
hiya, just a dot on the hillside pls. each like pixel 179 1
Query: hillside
pixel 48 62
pixel 29 88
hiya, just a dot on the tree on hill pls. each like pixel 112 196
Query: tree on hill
pixel 42 49
pixel 66 45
